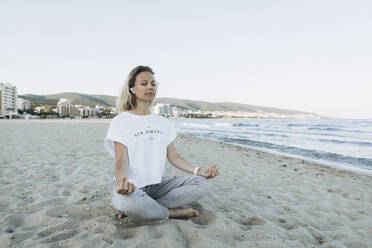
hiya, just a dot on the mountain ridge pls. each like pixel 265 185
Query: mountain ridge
pixel 183 104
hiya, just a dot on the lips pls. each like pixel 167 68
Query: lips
pixel 149 94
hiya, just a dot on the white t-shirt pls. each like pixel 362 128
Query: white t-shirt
pixel 146 138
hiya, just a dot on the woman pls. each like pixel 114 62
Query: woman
pixel 140 141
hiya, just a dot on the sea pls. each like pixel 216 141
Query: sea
pixel 338 143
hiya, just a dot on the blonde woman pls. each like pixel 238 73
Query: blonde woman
pixel 140 141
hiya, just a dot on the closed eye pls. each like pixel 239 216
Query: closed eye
pixel 153 84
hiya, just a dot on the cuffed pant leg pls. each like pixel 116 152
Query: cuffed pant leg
pixel 180 191
pixel 138 205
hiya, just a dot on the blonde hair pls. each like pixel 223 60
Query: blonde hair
pixel 126 99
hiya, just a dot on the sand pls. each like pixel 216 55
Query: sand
pixel 56 181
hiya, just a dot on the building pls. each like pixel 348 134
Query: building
pixel 66 108
pixel 23 104
pixel 164 109
pixel 156 108
pixel 86 111
pixel 39 109
pixel 8 99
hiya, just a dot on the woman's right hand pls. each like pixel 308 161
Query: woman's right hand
pixel 124 187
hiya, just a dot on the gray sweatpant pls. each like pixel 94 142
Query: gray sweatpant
pixel 153 201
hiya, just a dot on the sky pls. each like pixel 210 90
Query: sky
pixel 313 56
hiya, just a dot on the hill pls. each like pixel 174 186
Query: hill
pixel 77 98
pixel 183 104
pixel 225 106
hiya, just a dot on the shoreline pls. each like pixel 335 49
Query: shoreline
pixel 354 170
pixel 300 160
pixel 340 167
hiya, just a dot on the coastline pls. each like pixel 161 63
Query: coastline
pixel 300 159
pixel 322 163
pixel 61 196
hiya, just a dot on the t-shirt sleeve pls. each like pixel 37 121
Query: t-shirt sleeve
pixel 172 133
pixel 117 133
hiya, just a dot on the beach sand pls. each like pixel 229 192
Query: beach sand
pixel 56 182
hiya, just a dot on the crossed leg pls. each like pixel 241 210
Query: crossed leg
pixel 163 200
pixel 177 192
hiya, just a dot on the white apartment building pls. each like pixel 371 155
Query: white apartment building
pixel 23 104
pixel 8 99
pixel 67 108
pixel 164 109
pixel 86 111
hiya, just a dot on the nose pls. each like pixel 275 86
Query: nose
pixel 151 87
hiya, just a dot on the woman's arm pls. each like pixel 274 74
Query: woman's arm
pixel 123 186
pixel 177 161
pixel 121 161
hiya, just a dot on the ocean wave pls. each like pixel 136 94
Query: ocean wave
pixel 222 124
pixel 310 153
pixel 297 125
pixel 359 143
pixel 196 125
pixel 274 134
pixel 325 129
pixel 244 125
pixel 338 129
pixel 266 134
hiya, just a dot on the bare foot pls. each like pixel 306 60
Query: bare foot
pixel 182 212
pixel 120 216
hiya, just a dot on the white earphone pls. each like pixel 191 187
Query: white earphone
pixel 131 89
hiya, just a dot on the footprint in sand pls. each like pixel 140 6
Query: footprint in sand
pixel 66 234
pixel 78 212
pixel 205 216
pixel 54 229
pixel 283 223
pixel 15 220
pixel 246 223
pixel 11 223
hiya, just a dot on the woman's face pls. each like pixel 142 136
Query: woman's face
pixel 145 86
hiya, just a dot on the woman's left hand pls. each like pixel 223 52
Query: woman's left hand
pixel 209 173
